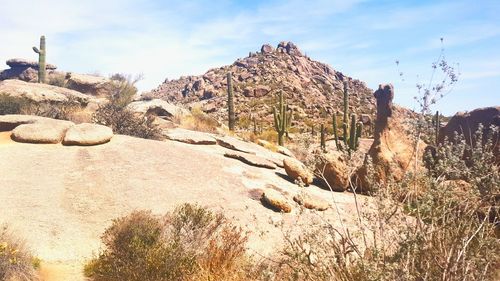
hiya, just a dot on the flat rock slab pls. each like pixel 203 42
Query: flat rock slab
pixel 11 121
pixel 158 107
pixel 40 92
pixel 310 201
pixel 251 159
pixel 276 201
pixel 191 137
pixel 42 132
pixel 235 144
pixel 285 151
pixel 87 134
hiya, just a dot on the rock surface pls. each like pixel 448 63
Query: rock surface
pixel 191 137
pixel 334 169
pixel 251 159
pixel 297 171
pixel 24 70
pixel 392 151
pixel 89 84
pixel 87 134
pixel 11 121
pixel 41 92
pixel 310 201
pixel 41 132
pixel 235 144
pixel 159 108
pixel 275 200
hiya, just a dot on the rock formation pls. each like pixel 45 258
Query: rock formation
pixel 393 150
pixel 297 171
pixel 313 89
pixel 24 70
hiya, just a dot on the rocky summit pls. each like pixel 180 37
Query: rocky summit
pixel 313 90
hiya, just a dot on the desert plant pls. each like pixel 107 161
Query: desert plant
pixel 350 133
pixel 190 243
pixel 230 102
pixel 42 52
pixel 12 105
pixel 16 262
pixel 57 79
pixel 282 119
pixel 437 127
pixel 323 138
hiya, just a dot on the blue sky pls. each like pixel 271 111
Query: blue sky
pixel 361 38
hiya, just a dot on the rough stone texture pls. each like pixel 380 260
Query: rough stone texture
pixel 285 151
pixel 312 88
pixel 24 70
pixel 17 62
pixel 89 84
pixel 334 169
pixel 310 201
pixel 392 152
pixel 275 200
pixel 191 137
pixel 11 121
pixel 159 108
pixel 87 134
pixel 41 132
pixel 297 171
pixel 467 123
pixel 267 48
pixel 251 159
pixel 235 144
pixel 41 92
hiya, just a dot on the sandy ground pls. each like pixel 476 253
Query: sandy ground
pixel 62 198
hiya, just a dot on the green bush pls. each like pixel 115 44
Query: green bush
pixel 16 262
pixel 191 243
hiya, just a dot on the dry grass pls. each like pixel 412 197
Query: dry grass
pixel 198 121
pixel 16 261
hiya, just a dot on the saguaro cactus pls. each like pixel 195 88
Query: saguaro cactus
pixel 230 101
pixel 282 119
pixel 323 138
pixel 42 52
pixel 351 133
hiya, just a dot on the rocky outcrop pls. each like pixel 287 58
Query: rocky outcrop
pixel 46 131
pixel 392 151
pixel 87 134
pixel 467 124
pixel 312 89
pixel 24 70
pixel 297 171
pixel 251 159
pixel 276 201
pixel 43 93
pixel 191 137
pixel 159 108
pixel 333 168
pixel 89 84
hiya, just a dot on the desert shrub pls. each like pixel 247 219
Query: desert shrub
pixel 198 121
pixel 58 80
pixel 16 262
pixel 190 243
pixel 20 105
pixel 126 122
pixel 123 89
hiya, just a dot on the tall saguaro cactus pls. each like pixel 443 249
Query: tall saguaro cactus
pixel 282 119
pixel 42 52
pixel 351 133
pixel 323 138
pixel 230 101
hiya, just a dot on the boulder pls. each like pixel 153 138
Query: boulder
pixel 17 62
pixel 251 159
pixel 41 92
pixel 23 70
pixel 310 201
pixel 276 201
pixel 87 134
pixel 333 167
pixel 285 151
pixel 89 84
pixel 392 151
pixel 467 123
pixel 158 107
pixel 266 48
pixel 297 171
pixel 52 131
pixel 191 137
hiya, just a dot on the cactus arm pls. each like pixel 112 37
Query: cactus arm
pixel 36 50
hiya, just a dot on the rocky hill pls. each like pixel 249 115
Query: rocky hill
pixel 313 89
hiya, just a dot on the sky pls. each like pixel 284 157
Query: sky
pixel 360 38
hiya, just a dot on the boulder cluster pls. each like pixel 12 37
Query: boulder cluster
pixel 312 89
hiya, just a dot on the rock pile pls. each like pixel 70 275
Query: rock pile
pixel 312 89
pixel 24 70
